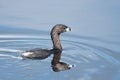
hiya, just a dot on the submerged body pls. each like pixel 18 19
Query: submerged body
pixel 37 54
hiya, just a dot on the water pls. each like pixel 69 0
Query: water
pixel 93 45
pixel 94 58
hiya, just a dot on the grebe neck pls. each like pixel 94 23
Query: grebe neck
pixel 56 45
pixel 56 41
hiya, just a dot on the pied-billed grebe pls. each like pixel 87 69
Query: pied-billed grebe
pixel 56 64
pixel 44 53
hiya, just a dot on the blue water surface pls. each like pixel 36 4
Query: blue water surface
pixel 93 58
pixel 93 45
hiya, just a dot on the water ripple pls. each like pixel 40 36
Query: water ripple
pixel 90 55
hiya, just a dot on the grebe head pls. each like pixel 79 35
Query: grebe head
pixel 60 28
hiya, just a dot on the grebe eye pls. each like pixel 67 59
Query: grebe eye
pixel 64 28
